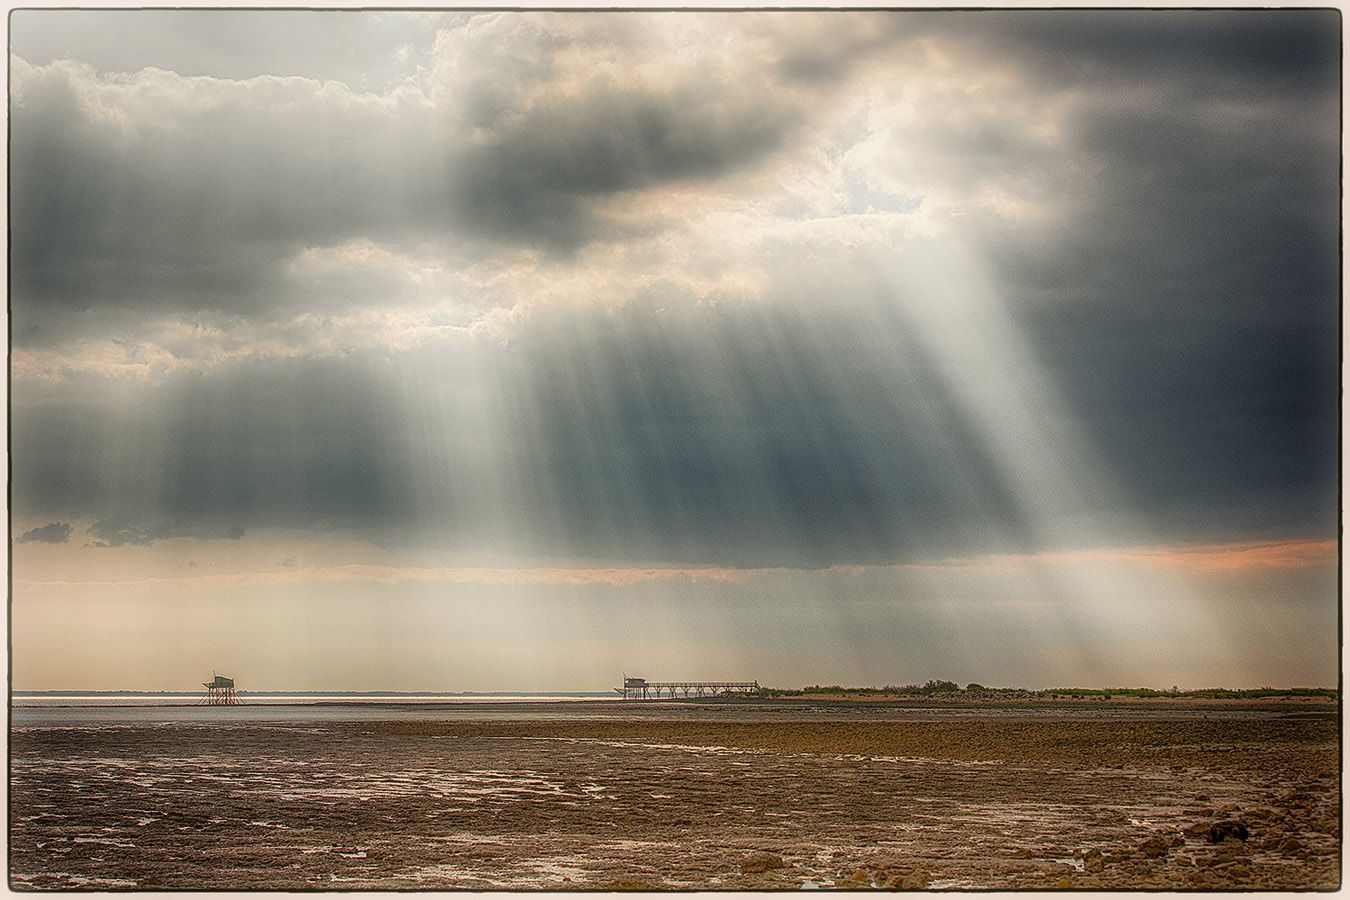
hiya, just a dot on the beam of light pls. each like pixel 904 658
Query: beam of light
pixel 490 420
pixel 1066 495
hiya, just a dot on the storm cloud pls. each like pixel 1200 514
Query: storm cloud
pixel 51 533
pixel 1167 240
pixel 149 193
pixel 638 438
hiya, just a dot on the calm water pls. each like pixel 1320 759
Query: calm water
pixel 89 710
pixel 21 698
pixel 102 709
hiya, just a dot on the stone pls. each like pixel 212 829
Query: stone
pixel 1227 830
pixel 913 881
pixel 1155 847
pixel 761 862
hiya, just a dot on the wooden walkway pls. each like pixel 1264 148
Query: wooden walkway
pixel 642 689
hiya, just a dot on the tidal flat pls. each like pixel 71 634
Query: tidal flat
pixel 685 796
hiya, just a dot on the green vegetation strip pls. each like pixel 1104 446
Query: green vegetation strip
pixel 952 688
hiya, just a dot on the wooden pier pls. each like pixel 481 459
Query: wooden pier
pixel 642 689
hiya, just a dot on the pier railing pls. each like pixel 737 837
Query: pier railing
pixel 641 689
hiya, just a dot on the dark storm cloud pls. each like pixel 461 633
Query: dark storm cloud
pixel 52 533
pixel 742 438
pixel 297 445
pixel 752 449
pixel 1202 266
pixel 164 195
pixel 191 198
pixel 116 532
pixel 535 179
pixel 1179 285
pixel 1222 50
pixel 161 196
pixel 1185 290
pixel 1214 50
pixel 794 435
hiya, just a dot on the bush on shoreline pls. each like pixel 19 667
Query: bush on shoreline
pixel 976 690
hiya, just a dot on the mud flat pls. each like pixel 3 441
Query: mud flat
pixel 677 803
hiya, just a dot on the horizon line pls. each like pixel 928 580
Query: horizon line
pixel 606 691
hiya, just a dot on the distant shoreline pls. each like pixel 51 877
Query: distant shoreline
pixel 580 704
pixel 542 695
pixel 767 693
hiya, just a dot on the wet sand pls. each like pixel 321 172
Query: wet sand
pixel 690 796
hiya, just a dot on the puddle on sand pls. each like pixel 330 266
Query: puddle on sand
pixel 449 874
pixel 556 869
pixel 70 879
pixel 953 884
pixel 107 842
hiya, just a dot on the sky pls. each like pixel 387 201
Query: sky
pixel 460 350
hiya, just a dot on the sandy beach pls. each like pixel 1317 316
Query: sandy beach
pixel 681 796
